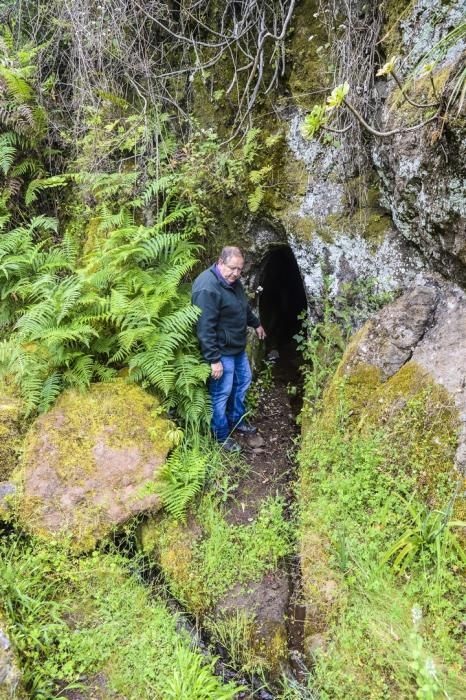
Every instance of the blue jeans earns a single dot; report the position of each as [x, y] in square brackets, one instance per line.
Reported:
[228, 394]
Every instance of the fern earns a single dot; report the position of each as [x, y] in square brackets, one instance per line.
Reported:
[73, 325]
[181, 479]
[255, 199]
[37, 186]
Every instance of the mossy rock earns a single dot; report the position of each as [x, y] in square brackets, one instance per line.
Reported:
[10, 431]
[11, 687]
[383, 444]
[89, 464]
[238, 592]
[257, 610]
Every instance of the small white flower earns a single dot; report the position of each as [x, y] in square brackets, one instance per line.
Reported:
[416, 614]
[430, 667]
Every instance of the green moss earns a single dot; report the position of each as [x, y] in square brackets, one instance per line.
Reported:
[310, 70]
[88, 621]
[79, 420]
[10, 431]
[302, 227]
[419, 90]
[421, 424]
[394, 12]
[117, 415]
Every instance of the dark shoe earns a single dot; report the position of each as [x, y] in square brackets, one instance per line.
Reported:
[246, 429]
[230, 445]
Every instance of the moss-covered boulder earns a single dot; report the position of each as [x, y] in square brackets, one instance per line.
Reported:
[89, 464]
[381, 497]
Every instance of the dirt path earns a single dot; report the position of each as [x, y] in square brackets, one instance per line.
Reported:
[270, 453]
[270, 456]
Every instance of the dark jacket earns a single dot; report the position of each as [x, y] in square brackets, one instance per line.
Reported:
[226, 314]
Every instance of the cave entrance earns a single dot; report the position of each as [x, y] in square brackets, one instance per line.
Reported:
[282, 300]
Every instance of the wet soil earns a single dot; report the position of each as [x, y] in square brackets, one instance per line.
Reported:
[270, 456]
[270, 452]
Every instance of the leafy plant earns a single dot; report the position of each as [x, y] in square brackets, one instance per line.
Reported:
[22, 120]
[194, 680]
[314, 121]
[69, 325]
[337, 96]
[427, 532]
[181, 479]
[257, 178]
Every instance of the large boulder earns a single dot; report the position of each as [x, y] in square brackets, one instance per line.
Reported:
[427, 328]
[383, 457]
[89, 464]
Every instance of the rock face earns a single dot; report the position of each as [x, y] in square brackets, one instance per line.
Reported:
[427, 326]
[423, 171]
[89, 463]
[10, 675]
[340, 229]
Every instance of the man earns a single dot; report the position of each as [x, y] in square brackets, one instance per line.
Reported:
[222, 331]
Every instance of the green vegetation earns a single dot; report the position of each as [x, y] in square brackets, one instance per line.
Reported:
[207, 557]
[181, 479]
[112, 196]
[377, 494]
[216, 567]
[70, 325]
[89, 621]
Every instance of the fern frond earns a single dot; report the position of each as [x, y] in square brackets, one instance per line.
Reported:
[7, 156]
[180, 480]
[17, 86]
[255, 199]
[49, 392]
[35, 187]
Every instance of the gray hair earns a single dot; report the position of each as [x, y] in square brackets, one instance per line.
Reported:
[230, 251]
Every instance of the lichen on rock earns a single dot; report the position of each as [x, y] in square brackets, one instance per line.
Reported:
[89, 464]
[422, 171]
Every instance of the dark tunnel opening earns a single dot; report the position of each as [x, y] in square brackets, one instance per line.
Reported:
[283, 298]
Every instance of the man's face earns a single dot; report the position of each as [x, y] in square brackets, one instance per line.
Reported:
[232, 269]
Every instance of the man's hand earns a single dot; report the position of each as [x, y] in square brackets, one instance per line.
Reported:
[260, 333]
[217, 369]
